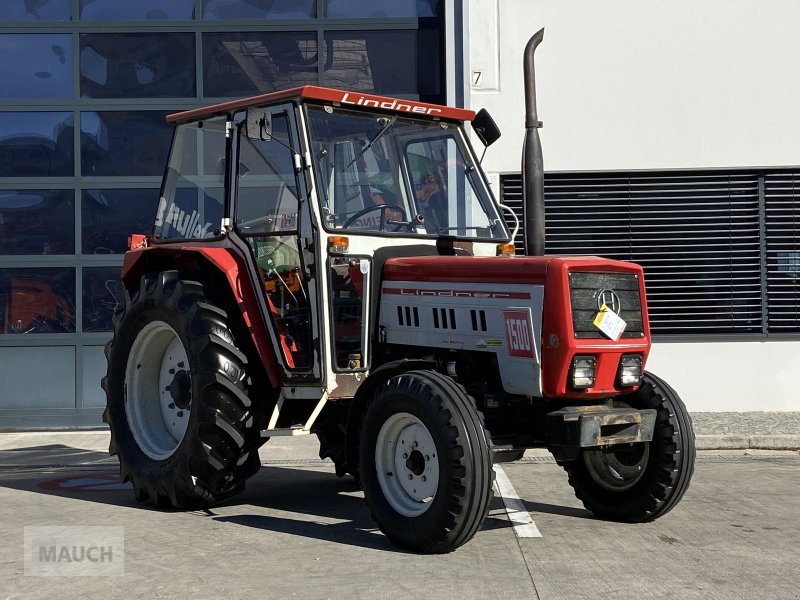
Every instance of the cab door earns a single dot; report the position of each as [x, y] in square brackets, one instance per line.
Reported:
[269, 200]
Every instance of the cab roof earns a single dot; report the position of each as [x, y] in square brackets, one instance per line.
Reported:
[332, 97]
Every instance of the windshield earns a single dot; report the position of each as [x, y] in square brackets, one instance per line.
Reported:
[385, 173]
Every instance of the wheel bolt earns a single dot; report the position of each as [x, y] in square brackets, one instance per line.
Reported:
[427, 458]
[410, 477]
[405, 456]
[424, 478]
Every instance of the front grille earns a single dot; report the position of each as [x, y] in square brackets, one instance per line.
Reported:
[584, 289]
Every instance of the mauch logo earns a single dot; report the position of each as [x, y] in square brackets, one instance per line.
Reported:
[90, 551]
[69, 554]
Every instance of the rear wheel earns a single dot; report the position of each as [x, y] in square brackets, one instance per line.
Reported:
[425, 462]
[181, 421]
[640, 482]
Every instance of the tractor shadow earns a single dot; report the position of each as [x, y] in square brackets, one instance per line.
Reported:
[301, 500]
[57, 455]
[324, 507]
[556, 509]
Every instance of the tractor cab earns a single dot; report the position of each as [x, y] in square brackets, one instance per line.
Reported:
[313, 186]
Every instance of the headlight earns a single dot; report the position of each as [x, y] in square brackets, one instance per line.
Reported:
[630, 370]
[583, 371]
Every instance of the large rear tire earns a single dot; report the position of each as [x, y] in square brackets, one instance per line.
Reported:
[182, 424]
[640, 482]
[425, 462]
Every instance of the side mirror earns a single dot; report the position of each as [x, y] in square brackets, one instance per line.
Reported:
[259, 124]
[485, 128]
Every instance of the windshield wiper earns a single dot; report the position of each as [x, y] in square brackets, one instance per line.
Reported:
[386, 124]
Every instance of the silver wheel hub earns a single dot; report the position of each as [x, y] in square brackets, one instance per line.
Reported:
[158, 390]
[618, 470]
[407, 464]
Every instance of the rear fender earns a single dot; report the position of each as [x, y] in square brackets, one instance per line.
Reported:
[226, 261]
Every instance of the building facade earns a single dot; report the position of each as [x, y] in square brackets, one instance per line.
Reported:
[671, 137]
[83, 141]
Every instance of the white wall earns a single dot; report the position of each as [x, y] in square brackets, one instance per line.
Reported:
[656, 84]
[731, 376]
[653, 84]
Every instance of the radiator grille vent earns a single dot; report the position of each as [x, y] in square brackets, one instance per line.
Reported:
[478, 320]
[444, 318]
[408, 316]
[584, 289]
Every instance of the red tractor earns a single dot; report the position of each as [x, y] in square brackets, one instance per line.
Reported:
[335, 263]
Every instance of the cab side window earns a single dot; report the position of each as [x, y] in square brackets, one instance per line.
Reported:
[193, 192]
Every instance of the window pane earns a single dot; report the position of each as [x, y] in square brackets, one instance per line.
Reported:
[348, 280]
[102, 290]
[42, 10]
[108, 217]
[445, 190]
[124, 143]
[37, 222]
[278, 259]
[140, 10]
[37, 300]
[267, 188]
[258, 9]
[36, 144]
[244, 64]
[193, 193]
[36, 66]
[394, 63]
[378, 9]
[137, 65]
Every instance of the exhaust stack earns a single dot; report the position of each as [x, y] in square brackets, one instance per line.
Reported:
[532, 164]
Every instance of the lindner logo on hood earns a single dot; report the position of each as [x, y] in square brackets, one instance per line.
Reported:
[400, 105]
[186, 224]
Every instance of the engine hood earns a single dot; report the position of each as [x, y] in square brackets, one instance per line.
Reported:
[495, 269]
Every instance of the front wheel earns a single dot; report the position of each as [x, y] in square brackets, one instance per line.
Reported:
[425, 462]
[640, 482]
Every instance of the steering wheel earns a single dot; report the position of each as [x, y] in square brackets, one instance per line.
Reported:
[382, 208]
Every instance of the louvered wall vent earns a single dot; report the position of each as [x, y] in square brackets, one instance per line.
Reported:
[782, 223]
[703, 238]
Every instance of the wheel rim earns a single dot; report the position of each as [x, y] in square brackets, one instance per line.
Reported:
[158, 392]
[407, 464]
[617, 470]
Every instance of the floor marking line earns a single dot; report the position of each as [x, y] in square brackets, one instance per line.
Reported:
[520, 518]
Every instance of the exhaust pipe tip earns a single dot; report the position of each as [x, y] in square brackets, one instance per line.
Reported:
[531, 119]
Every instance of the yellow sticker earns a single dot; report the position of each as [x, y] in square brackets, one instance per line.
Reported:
[610, 323]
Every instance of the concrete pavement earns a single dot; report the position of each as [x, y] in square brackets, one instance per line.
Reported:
[714, 431]
[298, 531]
